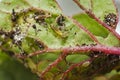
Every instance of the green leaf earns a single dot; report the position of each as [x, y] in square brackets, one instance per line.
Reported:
[11, 69]
[8, 5]
[49, 5]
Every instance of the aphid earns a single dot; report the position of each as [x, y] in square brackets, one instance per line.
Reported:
[59, 29]
[9, 52]
[84, 44]
[3, 34]
[60, 20]
[94, 44]
[111, 20]
[75, 33]
[40, 18]
[95, 54]
[34, 26]
[23, 54]
[14, 16]
[39, 30]
[40, 44]
[113, 59]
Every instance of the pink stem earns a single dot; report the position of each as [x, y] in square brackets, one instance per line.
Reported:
[43, 51]
[104, 49]
[54, 63]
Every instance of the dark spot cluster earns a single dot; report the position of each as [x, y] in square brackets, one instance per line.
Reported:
[103, 63]
[93, 44]
[95, 54]
[113, 59]
[111, 20]
[16, 36]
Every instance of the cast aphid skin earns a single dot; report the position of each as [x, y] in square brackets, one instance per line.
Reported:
[60, 20]
[86, 64]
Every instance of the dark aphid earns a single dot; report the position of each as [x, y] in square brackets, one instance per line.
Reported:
[34, 26]
[23, 54]
[39, 30]
[3, 33]
[84, 44]
[39, 17]
[10, 53]
[40, 13]
[95, 54]
[113, 57]
[111, 20]
[14, 16]
[75, 33]
[40, 44]
[94, 44]
[60, 20]
[11, 34]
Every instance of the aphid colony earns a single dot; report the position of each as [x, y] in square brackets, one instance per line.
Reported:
[17, 35]
[110, 61]
[111, 20]
[38, 17]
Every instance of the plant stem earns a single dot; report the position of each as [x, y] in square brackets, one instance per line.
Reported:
[78, 49]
